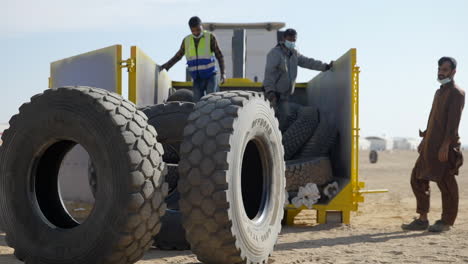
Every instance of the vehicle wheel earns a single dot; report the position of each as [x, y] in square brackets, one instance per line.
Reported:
[293, 114]
[232, 178]
[373, 156]
[181, 95]
[171, 153]
[320, 143]
[169, 120]
[127, 158]
[300, 131]
[172, 234]
[301, 172]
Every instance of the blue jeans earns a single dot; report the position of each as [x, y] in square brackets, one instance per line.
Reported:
[202, 87]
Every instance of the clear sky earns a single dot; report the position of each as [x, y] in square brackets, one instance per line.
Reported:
[398, 43]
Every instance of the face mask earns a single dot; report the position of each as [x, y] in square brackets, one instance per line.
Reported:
[444, 81]
[289, 44]
[199, 36]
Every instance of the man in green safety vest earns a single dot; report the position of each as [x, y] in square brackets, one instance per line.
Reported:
[200, 48]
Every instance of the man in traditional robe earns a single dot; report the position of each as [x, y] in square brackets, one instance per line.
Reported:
[440, 156]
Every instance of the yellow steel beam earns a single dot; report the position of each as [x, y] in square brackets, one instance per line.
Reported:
[373, 191]
[132, 71]
[234, 82]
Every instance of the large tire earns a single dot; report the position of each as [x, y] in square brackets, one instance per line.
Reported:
[300, 172]
[169, 120]
[171, 153]
[232, 171]
[172, 176]
[373, 156]
[300, 131]
[320, 143]
[181, 95]
[172, 235]
[127, 157]
[293, 114]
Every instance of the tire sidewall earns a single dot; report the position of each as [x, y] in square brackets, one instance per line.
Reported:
[28, 229]
[256, 122]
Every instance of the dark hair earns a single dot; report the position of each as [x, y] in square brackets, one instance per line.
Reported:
[290, 32]
[194, 22]
[452, 61]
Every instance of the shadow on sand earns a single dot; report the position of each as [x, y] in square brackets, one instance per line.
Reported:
[349, 240]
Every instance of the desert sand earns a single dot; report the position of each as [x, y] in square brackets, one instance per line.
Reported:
[374, 235]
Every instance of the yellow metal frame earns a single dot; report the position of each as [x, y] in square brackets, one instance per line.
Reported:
[235, 82]
[132, 75]
[349, 197]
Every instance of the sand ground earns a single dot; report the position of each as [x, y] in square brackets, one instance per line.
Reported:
[374, 235]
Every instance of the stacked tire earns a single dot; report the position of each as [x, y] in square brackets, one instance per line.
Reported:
[169, 119]
[308, 140]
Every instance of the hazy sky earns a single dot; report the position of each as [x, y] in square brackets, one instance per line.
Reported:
[398, 43]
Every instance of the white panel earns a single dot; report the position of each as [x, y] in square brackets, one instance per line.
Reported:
[224, 38]
[259, 43]
[145, 79]
[152, 86]
[97, 68]
[73, 176]
[164, 83]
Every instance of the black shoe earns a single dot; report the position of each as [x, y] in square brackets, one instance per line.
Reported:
[416, 225]
[439, 226]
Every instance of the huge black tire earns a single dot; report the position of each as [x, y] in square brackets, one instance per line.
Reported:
[321, 142]
[172, 176]
[127, 158]
[172, 234]
[181, 95]
[171, 153]
[293, 114]
[300, 131]
[300, 172]
[232, 178]
[169, 120]
[373, 156]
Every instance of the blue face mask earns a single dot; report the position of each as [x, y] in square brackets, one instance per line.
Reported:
[289, 44]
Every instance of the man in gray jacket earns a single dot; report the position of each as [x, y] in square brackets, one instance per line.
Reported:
[281, 73]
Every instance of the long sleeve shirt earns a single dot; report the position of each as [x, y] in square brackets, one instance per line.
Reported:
[181, 52]
[442, 128]
[281, 69]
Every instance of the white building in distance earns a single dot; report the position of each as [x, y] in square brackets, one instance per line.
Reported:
[401, 143]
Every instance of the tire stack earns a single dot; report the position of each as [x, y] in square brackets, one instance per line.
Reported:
[308, 141]
[170, 119]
